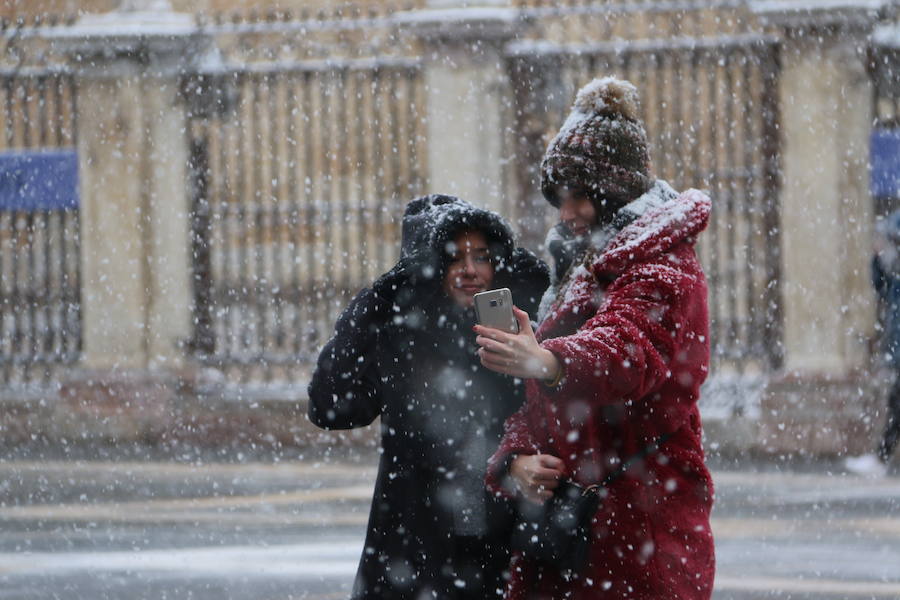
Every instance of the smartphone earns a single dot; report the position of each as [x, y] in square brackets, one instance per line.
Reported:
[493, 308]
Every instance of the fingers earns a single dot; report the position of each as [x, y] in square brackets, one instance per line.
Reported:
[552, 462]
[494, 346]
[493, 334]
[524, 321]
[495, 363]
[545, 471]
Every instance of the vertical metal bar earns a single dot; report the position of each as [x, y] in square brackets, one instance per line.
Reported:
[203, 344]
[245, 131]
[276, 127]
[397, 196]
[26, 277]
[30, 285]
[771, 152]
[46, 342]
[293, 193]
[7, 247]
[371, 193]
[378, 168]
[260, 281]
[731, 216]
[41, 91]
[748, 194]
[357, 167]
[343, 170]
[387, 163]
[414, 77]
[203, 126]
[678, 123]
[24, 87]
[311, 212]
[659, 121]
[62, 273]
[326, 117]
[224, 290]
[76, 228]
[5, 349]
[696, 138]
[16, 294]
[715, 274]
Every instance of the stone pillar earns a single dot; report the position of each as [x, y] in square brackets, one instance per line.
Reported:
[135, 253]
[826, 230]
[827, 217]
[466, 84]
[826, 208]
[133, 160]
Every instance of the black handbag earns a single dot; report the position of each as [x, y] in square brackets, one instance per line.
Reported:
[557, 534]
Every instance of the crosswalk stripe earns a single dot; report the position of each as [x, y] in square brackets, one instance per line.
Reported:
[793, 585]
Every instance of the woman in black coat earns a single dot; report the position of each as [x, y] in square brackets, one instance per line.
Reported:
[403, 350]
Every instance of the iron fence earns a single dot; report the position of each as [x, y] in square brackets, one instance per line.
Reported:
[40, 277]
[300, 174]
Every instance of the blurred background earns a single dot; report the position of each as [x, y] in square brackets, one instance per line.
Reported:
[190, 192]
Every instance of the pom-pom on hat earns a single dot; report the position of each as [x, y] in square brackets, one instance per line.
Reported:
[601, 149]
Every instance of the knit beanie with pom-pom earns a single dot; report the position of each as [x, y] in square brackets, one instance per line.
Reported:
[601, 149]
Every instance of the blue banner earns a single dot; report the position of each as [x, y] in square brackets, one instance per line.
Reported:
[885, 161]
[32, 180]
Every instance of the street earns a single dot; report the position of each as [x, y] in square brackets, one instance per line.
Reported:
[127, 529]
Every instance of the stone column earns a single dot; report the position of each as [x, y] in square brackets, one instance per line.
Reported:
[826, 229]
[133, 160]
[466, 84]
[135, 253]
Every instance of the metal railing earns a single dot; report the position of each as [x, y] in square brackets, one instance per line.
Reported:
[299, 181]
[40, 274]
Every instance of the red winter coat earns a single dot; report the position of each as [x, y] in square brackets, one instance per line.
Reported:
[633, 332]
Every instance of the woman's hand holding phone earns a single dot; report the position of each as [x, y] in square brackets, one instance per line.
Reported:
[516, 354]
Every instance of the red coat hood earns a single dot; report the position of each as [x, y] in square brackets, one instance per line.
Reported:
[654, 233]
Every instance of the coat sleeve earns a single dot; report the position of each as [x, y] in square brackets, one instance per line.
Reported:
[344, 391]
[518, 438]
[624, 351]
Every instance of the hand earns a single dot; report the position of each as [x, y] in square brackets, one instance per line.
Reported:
[516, 354]
[537, 475]
[403, 283]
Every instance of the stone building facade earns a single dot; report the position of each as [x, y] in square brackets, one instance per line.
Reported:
[226, 214]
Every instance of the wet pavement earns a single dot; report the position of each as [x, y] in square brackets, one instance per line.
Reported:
[293, 529]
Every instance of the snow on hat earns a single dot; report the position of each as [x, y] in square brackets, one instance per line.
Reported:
[601, 149]
[430, 222]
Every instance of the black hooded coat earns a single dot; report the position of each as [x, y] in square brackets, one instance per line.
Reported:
[403, 351]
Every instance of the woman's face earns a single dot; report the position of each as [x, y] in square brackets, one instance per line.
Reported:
[470, 270]
[576, 211]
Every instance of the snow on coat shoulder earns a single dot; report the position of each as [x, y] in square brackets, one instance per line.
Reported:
[656, 232]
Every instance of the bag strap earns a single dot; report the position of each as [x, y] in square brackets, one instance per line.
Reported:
[632, 460]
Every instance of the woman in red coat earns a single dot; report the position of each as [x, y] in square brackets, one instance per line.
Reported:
[616, 363]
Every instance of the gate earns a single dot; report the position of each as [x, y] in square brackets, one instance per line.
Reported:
[711, 113]
[40, 299]
[300, 174]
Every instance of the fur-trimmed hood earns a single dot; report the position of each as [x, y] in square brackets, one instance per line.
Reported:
[431, 222]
